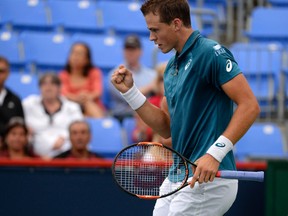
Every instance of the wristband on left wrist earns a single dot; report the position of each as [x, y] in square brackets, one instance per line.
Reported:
[220, 148]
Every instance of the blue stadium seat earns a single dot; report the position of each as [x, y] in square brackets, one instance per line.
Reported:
[123, 17]
[261, 63]
[10, 49]
[273, 17]
[45, 50]
[25, 14]
[128, 125]
[75, 15]
[278, 3]
[106, 94]
[284, 86]
[211, 17]
[262, 141]
[106, 50]
[106, 136]
[152, 55]
[22, 84]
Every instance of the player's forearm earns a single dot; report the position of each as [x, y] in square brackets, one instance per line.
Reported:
[156, 118]
[243, 117]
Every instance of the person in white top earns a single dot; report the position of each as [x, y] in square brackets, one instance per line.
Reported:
[48, 117]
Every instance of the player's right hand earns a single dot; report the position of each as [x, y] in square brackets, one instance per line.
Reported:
[122, 79]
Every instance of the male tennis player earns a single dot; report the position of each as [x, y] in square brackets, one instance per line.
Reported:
[201, 83]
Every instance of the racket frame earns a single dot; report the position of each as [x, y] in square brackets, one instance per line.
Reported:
[240, 175]
[150, 197]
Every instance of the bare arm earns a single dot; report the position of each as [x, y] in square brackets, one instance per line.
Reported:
[245, 114]
[247, 107]
[158, 119]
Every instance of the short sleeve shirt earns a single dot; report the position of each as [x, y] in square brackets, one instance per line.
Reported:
[199, 109]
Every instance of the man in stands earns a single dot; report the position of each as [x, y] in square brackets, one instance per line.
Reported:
[10, 103]
[80, 136]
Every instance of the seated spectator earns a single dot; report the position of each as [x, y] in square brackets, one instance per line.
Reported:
[143, 77]
[82, 82]
[80, 136]
[15, 140]
[48, 117]
[10, 103]
[142, 132]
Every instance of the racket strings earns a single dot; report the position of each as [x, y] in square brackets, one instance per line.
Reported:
[142, 169]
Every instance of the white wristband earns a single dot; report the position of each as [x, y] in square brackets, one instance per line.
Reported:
[220, 148]
[134, 97]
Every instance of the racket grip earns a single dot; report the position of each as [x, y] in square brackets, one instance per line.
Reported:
[241, 175]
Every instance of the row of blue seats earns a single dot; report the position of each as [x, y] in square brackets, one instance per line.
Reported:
[122, 17]
[263, 58]
[262, 141]
[273, 17]
[262, 64]
[80, 15]
[278, 3]
[49, 50]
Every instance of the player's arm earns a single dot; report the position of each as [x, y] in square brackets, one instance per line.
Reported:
[247, 107]
[156, 118]
[245, 114]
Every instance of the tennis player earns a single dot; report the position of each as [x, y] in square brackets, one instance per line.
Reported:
[201, 83]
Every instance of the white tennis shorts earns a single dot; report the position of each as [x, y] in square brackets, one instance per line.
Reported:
[206, 199]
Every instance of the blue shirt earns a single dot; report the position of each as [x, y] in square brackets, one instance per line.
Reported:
[199, 109]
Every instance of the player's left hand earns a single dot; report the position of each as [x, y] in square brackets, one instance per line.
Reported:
[207, 167]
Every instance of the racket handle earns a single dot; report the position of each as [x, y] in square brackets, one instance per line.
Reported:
[241, 175]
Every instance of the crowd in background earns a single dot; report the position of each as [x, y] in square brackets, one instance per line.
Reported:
[52, 124]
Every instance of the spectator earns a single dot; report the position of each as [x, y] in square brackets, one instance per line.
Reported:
[15, 140]
[80, 136]
[10, 103]
[48, 116]
[143, 77]
[82, 82]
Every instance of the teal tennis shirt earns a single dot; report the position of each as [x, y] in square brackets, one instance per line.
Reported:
[199, 109]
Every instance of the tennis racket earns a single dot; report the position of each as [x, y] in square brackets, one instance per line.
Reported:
[141, 168]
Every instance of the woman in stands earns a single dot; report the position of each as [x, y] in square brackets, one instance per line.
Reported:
[15, 141]
[82, 82]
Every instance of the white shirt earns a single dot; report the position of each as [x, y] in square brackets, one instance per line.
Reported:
[46, 128]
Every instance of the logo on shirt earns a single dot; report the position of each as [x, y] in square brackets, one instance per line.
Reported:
[218, 49]
[11, 105]
[229, 65]
[188, 63]
[220, 145]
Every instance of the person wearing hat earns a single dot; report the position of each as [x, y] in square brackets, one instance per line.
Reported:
[143, 76]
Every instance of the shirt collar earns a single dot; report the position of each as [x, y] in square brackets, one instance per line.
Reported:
[3, 94]
[190, 42]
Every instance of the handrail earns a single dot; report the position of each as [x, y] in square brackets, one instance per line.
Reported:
[91, 163]
[99, 163]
